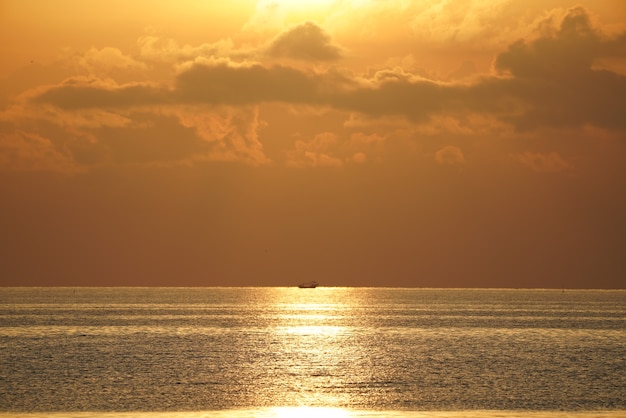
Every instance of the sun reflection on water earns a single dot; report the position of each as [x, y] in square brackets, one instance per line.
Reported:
[314, 330]
[309, 412]
[309, 353]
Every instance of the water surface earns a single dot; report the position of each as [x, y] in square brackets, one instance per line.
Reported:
[344, 352]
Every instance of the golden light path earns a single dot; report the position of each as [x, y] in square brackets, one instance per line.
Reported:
[309, 412]
[310, 332]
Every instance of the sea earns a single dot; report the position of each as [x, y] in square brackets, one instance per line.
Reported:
[327, 352]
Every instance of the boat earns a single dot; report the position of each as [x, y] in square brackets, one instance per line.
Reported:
[308, 285]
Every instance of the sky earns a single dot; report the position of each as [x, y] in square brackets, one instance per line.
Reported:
[425, 143]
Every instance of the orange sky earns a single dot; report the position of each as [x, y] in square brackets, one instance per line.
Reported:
[426, 143]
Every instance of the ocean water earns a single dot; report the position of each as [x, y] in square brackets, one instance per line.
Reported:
[330, 352]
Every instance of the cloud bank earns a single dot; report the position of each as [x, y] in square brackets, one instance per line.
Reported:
[211, 99]
[549, 81]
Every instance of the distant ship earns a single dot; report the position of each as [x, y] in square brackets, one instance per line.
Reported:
[308, 285]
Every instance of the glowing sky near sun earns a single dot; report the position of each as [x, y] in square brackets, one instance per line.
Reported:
[356, 142]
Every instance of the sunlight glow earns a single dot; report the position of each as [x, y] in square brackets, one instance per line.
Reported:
[295, 11]
[303, 4]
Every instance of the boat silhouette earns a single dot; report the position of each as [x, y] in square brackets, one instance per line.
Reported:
[308, 285]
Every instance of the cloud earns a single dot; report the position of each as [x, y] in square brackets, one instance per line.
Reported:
[306, 41]
[85, 93]
[569, 51]
[465, 71]
[154, 48]
[222, 82]
[108, 59]
[473, 25]
[449, 20]
[386, 93]
[231, 132]
[449, 155]
[315, 153]
[363, 138]
[550, 162]
[553, 77]
[98, 122]
[359, 158]
[191, 133]
[28, 151]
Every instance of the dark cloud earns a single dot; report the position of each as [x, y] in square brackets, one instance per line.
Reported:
[227, 84]
[567, 53]
[84, 94]
[405, 95]
[413, 99]
[554, 78]
[306, 41]
[614, 48]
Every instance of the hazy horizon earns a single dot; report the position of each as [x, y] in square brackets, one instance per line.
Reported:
[551, 289]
